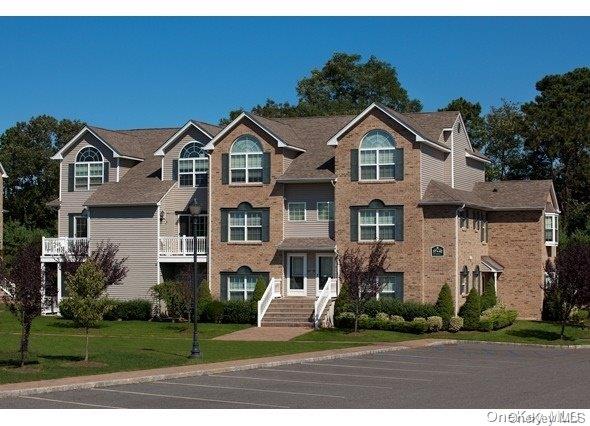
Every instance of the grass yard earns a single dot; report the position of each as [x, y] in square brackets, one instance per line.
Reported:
[57, 348]
[519, 332]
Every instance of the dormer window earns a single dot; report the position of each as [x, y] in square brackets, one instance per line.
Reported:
[551, 229]
[245, 160]
[377, 156]
[193, 166]
[88, 169]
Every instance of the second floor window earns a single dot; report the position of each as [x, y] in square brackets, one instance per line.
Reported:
[325, 211]
[80, 226]
[484, 228]
[245, 226]
[88, 169]
[551, 229]
[297, 212]
[245, 160]
[377, 156]
[377, 224]
[193, 166]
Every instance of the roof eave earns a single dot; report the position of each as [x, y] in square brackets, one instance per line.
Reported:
[160, 151]
[59, 154]
[480, 206]
[477, 158]
[306, 180]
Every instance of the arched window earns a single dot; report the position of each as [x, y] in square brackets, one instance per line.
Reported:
[476, 279]
[377, 156]
[245, 162]
[464, 280]
[193, 166]
[88, 169]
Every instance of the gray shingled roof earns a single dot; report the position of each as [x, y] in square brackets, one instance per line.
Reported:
[500, 195]
[307, 243]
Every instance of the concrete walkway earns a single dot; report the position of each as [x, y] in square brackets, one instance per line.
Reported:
[265, 334]
[142, 376]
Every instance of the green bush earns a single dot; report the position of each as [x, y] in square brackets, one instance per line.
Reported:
[550, 310]
[397, 318]
[342, 303]
[344, 320]
[434, 323]
[382, 321]
[409, 310]
[471, 310]
[66, 309]
[366, 322]
[486, 324]
[213, 312]
[488, 297]
[203, 297]
[418, 325]
[259, 290]
[136, 309]
[578, 317]
[444, 305]
[239, 312]
[176, 295]
[499, 316]
[455, 324]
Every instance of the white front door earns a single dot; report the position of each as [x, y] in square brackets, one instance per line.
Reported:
[324, 266]
[297, 274]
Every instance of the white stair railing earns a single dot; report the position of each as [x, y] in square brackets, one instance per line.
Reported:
[322, 301]
[272, 291]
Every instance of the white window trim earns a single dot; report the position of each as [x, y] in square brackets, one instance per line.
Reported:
[87, 176]
[192, 173]
[304, 211]
[377, 225]
[187, 214]
[554, 229]
[330, 210]
[244, 282]
[76, 218]
[247, 168]
[466, 277]
[377, 164]
[245, 227]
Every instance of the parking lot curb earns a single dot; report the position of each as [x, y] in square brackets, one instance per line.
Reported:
[538, 345]
[145, 376]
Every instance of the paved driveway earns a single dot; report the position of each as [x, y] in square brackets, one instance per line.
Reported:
[450, 376]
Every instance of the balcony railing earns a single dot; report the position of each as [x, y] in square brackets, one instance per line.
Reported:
[64, 245]
[181, 246]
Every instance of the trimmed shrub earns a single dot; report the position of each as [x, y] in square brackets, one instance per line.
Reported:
[397, 318]
[213, 312]
[434, 323]
[550, 310]
[344, 320]
[382, 316]
[455, 324]
[342, 303]
[499, 316]
[488, 297]
[578, 317]
[486, 324]
[259, 290]
[66, 309]
[239, 312]
[128, 310]
[445, 305]
[203, 297]
[382, 323]
[366, 322]
[471, 310]
[418, 325]
[176, 295]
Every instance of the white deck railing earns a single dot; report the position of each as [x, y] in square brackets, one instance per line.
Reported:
[273, 290]
[181, 246]
[63, 245]
[322, 301]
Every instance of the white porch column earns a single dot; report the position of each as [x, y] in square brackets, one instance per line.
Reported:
[43, 310]
[59, 284]
[496, 282]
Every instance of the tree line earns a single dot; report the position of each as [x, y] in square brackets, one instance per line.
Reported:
[545, 138]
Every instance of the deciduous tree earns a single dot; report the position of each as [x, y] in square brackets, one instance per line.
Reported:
[474, 122]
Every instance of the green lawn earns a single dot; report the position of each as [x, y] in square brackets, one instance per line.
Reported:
[519, 332]
[57, 347]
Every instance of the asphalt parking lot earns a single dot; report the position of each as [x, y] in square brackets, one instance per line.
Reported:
[448, 376]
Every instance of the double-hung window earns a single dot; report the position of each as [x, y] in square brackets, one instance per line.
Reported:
[80, 226]
[245, 160]
[484, 228]
[325, 211]
[193, 166]
[88, 169]
[551, 229]
[241, 287]
[245, 226]
[377, 156]
[376, 224]
[297, 212]
[463, 220]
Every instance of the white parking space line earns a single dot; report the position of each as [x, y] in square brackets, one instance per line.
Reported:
[421, 363]
[410, 379]
[315, 395]
[69, 402]
[470, 360]
[305, 382]
[161, 395]
[383, 368]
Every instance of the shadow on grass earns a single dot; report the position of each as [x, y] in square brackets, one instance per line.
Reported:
[62, 357]
[174, 354]
[531, 333]
[16, 363]
[176, 327]
[69, 324]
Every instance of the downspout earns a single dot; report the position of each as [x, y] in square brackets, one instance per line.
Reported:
[209, 228]
[457, 258]
[333, 182]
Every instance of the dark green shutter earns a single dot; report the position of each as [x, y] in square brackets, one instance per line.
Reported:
[224, 169]
[399, 163]
[223, 225]
[354, 165]
[399, 284]
[266, 225]
[354, 218]
[266, 167]
[223, 286]
[71, 224]
[106, 171]
[70, 177]
[399, 223]
[174, 169]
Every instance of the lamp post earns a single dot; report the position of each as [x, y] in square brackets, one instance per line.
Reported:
[195, 209]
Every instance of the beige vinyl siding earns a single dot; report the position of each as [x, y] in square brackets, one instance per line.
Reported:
[311, 194]
[467, 171]
[176, 201]
[173, 150]
[73, 201]
[135, 230]
[432, 166]
[124, 166]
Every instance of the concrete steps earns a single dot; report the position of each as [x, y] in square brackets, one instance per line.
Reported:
[289, 312]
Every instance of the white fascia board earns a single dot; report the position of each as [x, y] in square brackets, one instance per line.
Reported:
[190, 123]
[475, 157]
[59, 154]
[2, 171]
[211, 145]
[419, 138]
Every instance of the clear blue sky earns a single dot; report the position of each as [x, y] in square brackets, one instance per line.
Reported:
[150, 72]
